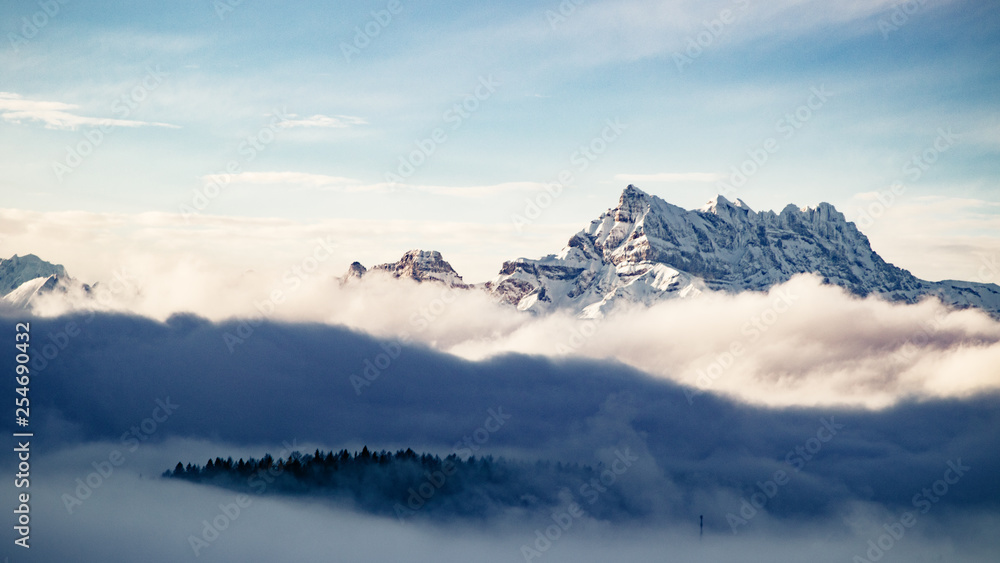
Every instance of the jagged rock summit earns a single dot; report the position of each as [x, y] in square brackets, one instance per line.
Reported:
[354, 272]
[419, 265]
[646, 250]
[638, 253]
[17, 270]
[24, 278]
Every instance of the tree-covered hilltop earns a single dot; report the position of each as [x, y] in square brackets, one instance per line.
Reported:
[405, 483]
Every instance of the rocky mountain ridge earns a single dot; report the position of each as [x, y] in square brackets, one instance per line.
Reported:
[418, 265]
[646, 250]
[642, 251]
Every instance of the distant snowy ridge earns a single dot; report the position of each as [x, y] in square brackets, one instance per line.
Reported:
[24, 278]
[418, 265]
[17, 270]
[646, 250]
[643, 251]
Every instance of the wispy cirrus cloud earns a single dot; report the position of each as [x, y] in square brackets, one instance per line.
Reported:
[14, 108]
[320, 121]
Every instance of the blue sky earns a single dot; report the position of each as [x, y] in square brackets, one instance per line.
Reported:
[193, 85]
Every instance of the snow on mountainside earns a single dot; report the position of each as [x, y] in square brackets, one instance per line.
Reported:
[419, 265]
[640, 252]
[354, 271]
[17, 270]
[24, 278]
[27, 291]
[645, 250]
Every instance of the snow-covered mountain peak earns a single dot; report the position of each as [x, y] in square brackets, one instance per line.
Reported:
[419, 265]
[26, 294]
[730, 210]
[423, 258]
[632, 204]
[828, 212]
[647, 249]
[17, 270]
[354, 272]
[715, 203]
[632, 192]
[29, 290]
[791, 210]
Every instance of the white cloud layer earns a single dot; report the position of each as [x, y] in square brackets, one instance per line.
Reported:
[57, 115]
[804, 343]
[322, 121]
[306, 180]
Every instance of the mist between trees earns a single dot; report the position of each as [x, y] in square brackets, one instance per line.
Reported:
[401, 483]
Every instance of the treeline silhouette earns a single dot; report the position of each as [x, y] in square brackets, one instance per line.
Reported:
[405, 483]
